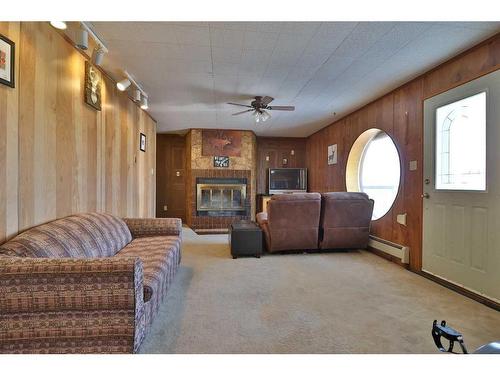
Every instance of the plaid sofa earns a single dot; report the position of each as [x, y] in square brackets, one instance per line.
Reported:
[87, 283]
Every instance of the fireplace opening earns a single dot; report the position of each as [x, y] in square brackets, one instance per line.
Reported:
[221, 196]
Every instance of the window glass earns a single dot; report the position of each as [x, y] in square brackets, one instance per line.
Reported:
[379, 173]
[461, 144]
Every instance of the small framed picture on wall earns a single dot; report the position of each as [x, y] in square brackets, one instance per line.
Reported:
[221, 161]
[332, 154]
[7, 61]
[142, 142]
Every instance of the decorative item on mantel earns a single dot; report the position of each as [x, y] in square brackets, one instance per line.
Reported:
[92, 86]
[332, 154]
[221, 161]
[7, 61]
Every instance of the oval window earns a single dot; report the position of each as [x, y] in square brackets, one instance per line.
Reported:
[373, 167]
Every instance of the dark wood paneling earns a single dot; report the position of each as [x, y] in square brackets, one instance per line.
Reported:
[171, 175]
[277, 149]
[400, 114]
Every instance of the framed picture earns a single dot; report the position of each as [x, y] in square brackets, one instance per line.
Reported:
[332, 154]
[92, 86]
[7, 61]
[221, 142]
[221, 161]
[142, 142]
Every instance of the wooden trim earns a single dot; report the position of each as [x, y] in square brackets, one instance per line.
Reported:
[389, 257]
[467, 293]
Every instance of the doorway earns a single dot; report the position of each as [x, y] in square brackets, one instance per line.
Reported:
[461, 200]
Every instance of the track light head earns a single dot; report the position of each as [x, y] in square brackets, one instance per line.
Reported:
[98, 55]
[82, 39]
[61, 25]
[137, 95]
[144, 102]
[123, 84]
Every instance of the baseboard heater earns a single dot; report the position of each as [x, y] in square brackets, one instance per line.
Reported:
[391, 248]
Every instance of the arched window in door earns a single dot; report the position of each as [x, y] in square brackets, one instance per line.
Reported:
[461, 144]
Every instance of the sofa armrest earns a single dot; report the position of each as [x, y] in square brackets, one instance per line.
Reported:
[154, 227]
[261, 218]
[61, 305]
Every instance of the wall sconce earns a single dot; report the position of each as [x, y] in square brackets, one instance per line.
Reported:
[267, 157]
[292, 152]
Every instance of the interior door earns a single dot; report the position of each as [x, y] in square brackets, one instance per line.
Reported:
[461, 221]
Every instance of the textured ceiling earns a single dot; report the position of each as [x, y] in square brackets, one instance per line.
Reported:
[191, 69]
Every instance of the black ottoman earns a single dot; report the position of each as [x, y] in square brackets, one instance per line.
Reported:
[245, 238]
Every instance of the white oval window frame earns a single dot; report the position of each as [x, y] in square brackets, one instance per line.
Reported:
[355, 158]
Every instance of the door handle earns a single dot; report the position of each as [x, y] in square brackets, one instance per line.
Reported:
[425, 195]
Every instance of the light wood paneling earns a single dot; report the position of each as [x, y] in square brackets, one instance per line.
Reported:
[72, 158]
[9, 111]
[399, 113]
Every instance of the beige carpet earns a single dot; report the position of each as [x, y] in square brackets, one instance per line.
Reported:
[351, 302]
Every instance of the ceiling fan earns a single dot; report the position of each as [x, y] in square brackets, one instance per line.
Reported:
[260, 107]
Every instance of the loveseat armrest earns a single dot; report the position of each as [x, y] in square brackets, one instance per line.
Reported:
[65, 305]
[261, 218]
[154, 227]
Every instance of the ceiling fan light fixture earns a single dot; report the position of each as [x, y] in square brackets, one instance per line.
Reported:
[265, 116]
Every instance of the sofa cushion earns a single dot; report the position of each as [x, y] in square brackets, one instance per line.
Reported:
[91, 235]
[160, 256]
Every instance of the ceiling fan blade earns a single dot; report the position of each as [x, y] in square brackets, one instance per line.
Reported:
[266, 100]
[241, 105]
[239, 113]
[282, 108]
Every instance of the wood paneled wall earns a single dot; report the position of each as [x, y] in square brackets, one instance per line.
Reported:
[9, 112]
[400, 114]
[277, 149]
[61, 155]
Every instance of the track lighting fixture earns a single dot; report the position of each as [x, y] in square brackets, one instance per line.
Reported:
[61, 25]
[98, 55]
[123, 84]
[137, 95]
[82, 39]
[144, 102]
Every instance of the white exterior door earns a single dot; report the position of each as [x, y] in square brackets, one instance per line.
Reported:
[461, 222]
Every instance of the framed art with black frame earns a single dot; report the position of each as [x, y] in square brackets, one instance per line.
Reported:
[7, 61]
[142, 142]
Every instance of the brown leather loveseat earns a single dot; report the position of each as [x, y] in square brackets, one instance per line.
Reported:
[310, 221]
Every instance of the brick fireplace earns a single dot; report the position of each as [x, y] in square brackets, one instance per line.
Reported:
[216, 220]
[200, 170]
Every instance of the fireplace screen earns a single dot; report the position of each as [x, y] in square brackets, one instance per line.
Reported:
[220, 197]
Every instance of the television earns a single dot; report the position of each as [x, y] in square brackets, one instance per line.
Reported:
[287, 180]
